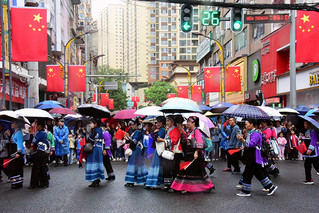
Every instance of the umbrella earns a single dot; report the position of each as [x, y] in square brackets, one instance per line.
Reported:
[149, 111]
[94, 110]
[246, 111]
[179, 100]
[270, 111]
[288, 111]
[210, 114]
[47, 103]
[48, 107]
[62, 111]
[302, 109]
[33, 114]
[149, 119]
[71, 122]
[221, 107]
[313, 122]
[316, 112]
[180, 106]
[9, 115]
[126, 114]
[204, 123]
[204, 107]
[310, 113]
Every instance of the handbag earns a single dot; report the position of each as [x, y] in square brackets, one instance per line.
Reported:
[160, 147]
[88, 148]
[128, 152]
[196, 145]
[168, 155]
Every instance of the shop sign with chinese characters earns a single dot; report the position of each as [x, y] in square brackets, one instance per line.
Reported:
[19, 91]
[268, 77]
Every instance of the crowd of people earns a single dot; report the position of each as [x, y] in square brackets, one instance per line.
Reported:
[181, 155]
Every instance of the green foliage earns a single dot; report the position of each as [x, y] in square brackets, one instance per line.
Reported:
[157, 93]
[119, 96]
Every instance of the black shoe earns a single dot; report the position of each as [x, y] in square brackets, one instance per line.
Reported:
[129, 184]
[209, 190]
[31, 187]
[147, 187]
[165, 188]
[95, 183]
[110, 178]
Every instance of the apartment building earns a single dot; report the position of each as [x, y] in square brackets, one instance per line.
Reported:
[167, 42]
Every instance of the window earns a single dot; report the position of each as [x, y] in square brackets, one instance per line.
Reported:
[153, 47]
[173, 42]
[164, 65]
[194, 50]
[153, 33]
[195, 27]
[195, 42]
[191, 68]
[241, 40]
[164, 11]
[153, 40]
[216, 58]
[152, 26]
[164, 50]
[164, 35]
[182, 50]
[153, 11]
[182, 42]
[173, 50]
[152, 19]
[182, 35]
[228, 49]
[173, 57]
[195, 11]
[153, 61]
[182, 57]
[163, 27]
[153, 4]
[163, 42]
[173, 35]
[174, 19]
[174, 27]
[227, 23]
[258, 31]
[164, 58]
[163, 19]
[153, 55]
[173, 11]
[164, 73]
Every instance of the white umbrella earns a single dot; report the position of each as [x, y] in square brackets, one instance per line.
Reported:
[270, 111]
[33, 114]
[288, 111]
[149, 111]
[177, 99]
[9, 115]
[204, 123]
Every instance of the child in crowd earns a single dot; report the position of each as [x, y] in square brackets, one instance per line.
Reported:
[78, 146]
[293, 144]
[72, 147]
[282, 144]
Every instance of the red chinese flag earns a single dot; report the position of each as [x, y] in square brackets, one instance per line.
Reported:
[171, 95]
[82, 142]
[307, 26]
[232, 80]
[197, 93]
[111, 104]
[137, 99]
[104, 99]
[29, 34]
[55, 80]
[233, 151]
[77, 79]
[133, 98]
[212, 79]
[183, 91]
[119, 134]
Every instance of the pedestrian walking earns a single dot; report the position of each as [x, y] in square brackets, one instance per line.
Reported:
[107, 154]
[4, 146]
[94, 169]
[254, 162]
[71, 148]
[136, 170]
[62, 150]
[193, 178]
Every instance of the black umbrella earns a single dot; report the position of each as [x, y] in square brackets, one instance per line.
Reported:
[94, 110]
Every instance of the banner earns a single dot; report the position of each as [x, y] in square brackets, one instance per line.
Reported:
[183, 91]
[212, 79]
[55, 80]
[77, 81]
[197, 94]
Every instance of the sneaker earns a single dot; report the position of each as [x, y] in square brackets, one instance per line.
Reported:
[239, 186]
[227, 170]
[242, 194]
[272, 190]
[265, 190]
[308, 182]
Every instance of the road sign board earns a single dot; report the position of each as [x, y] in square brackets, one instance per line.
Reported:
[266, 18]
[110, 85]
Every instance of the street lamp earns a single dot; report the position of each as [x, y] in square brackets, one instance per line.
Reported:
[189, 79]
[222, 66]
[66, 63]
[92, 58]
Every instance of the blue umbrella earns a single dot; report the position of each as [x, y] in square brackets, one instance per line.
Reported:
[204, 107]
[310, 113]
[47, 102]
[302, 109]
[313, 122]
[221, 107]
[179, 107]
[49, 106]
[316, 112]
[246, 111]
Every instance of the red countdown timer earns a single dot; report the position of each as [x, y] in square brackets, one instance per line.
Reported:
[266, 18]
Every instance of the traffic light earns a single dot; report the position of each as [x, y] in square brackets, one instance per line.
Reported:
[187, 18]
[236, 20]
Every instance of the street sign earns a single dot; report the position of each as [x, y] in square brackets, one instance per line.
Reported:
[110, 85]
[266, 18]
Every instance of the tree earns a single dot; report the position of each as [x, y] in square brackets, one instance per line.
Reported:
[119, 96]
[157, 93]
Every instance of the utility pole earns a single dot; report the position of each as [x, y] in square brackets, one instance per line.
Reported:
[293, 95]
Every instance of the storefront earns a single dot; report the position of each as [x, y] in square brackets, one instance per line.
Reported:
[274, 63]
[19, 93]
[307, 86]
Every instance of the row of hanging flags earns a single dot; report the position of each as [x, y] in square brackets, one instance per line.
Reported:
[104, 100]
[30, 43]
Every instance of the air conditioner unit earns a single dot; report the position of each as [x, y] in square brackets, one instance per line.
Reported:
[31, 3]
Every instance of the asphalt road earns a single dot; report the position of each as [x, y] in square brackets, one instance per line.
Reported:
[68, 192]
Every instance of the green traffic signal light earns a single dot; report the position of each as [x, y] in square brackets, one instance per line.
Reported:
[236, 20]
[186, 18]
[238, 25]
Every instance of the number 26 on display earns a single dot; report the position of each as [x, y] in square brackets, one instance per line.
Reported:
[210, 18]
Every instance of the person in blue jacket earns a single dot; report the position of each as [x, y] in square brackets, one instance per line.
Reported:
[136, 170]
[16, 177]
[61, 133]
[224, 130]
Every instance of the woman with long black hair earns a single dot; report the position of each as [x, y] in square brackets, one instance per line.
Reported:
[193, 178]
[136, 170]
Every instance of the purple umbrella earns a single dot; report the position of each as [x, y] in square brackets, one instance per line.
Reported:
[126, 114]
[246, 111]
[201, 117]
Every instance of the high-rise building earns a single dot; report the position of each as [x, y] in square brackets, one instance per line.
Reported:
[111, 37]
[167, 42]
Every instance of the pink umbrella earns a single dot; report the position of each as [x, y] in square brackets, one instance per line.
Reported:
[126, 114]
[62, 111]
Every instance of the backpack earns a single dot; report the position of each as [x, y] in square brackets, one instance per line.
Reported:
[274, 148]
[208, 143]
[265, 147]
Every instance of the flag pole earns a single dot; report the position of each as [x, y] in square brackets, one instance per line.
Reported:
[3, 57]
[293, 95]
[10, 53]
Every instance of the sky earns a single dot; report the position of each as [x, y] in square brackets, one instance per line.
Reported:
[99, 5]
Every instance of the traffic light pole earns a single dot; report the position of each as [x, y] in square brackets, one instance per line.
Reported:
[293, 93]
